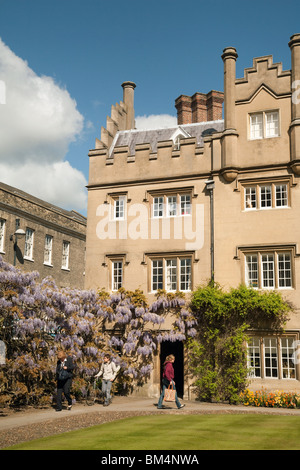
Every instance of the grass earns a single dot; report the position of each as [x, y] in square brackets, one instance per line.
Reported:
[185, 432]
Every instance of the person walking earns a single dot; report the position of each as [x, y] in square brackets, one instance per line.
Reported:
[109, 371]
[64, 375]
[168, 378]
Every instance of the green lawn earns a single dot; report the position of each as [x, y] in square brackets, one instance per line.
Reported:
[185, 432]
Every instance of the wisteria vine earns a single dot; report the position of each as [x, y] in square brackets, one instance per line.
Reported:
[37, 318]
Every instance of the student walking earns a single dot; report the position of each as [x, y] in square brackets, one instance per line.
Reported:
[168, 378]
[64, 375]
[109, 372]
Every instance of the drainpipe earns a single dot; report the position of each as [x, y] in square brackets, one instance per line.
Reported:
[210, 185]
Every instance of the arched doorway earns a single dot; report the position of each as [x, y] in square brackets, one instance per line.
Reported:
[175, 348]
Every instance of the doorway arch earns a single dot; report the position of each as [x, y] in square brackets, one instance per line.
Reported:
[175, 348]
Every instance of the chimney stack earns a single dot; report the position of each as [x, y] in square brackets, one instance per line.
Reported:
[294, 45]
[200, 107]
[128, 100]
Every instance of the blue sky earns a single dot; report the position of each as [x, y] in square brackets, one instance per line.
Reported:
[63, 62]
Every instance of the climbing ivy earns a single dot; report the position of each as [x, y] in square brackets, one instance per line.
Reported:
[217, 355]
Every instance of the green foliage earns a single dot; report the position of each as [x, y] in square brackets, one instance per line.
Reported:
[217, 355]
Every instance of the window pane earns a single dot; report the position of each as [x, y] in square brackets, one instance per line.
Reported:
[117, 275]
[271, 366]
[256, 126]
[119, 208]
[185, 274]
[253, 357]
[2, 229]
[185, 203]
[28, 251]
[251, 271]
[158, 206]
[48, 250]
[65, 255]
[265, 196]
[284, 270]
[287, 359]
[267, 270]
[172, 206]
[272, 124]
[157, 275]
[171, 274]
[250, 198]
[281, 195]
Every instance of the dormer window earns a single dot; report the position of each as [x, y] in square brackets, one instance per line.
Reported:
[180, 133]
[177, 142]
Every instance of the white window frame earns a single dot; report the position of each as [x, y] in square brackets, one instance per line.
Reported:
[266, 196]
[264, 125]
[2, 234]
[256, 126]
[185, 204]
[269, 270]
[250, 198]
[172, 274]
[281, 195]
[48, 250]
[271, 124]
[29, 241]
[119, 208]
[117, 275]
[270, 357]
[65, 261]
[157, 274]
[172, 205]
[158, 207]
[287, 354]
[254, 357]
[175, 204]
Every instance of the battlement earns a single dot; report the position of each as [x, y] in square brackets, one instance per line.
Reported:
[138, 155]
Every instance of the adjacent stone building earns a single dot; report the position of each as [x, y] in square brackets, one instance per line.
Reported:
[214, 197]
[38, 236]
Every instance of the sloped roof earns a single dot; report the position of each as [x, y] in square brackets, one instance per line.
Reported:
[133, 137]
[35, 200]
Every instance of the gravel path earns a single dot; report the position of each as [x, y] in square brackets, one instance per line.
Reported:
[30, 424]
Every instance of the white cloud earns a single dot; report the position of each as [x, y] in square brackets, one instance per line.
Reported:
[155, 121]
[38, 122]
[60, 183]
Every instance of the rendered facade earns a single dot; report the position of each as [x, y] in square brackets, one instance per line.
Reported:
[216, 196]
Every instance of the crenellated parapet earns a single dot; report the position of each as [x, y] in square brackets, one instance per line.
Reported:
[158, 154]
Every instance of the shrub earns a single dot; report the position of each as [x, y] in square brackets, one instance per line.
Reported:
[217, 355]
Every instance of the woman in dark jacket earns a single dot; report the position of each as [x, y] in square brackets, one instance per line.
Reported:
[168, 377]
[64, 375]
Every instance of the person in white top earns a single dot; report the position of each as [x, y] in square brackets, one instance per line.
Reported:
[109, 372]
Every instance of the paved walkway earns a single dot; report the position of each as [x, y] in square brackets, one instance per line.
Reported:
[131, 404]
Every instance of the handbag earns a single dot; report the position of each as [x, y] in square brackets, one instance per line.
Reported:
[170, 393]
[63, 374]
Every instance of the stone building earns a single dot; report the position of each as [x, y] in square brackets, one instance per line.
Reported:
[214, 197]
[38, 236]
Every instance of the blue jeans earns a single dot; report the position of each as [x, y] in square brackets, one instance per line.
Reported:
[166, 383]
[106, 387]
